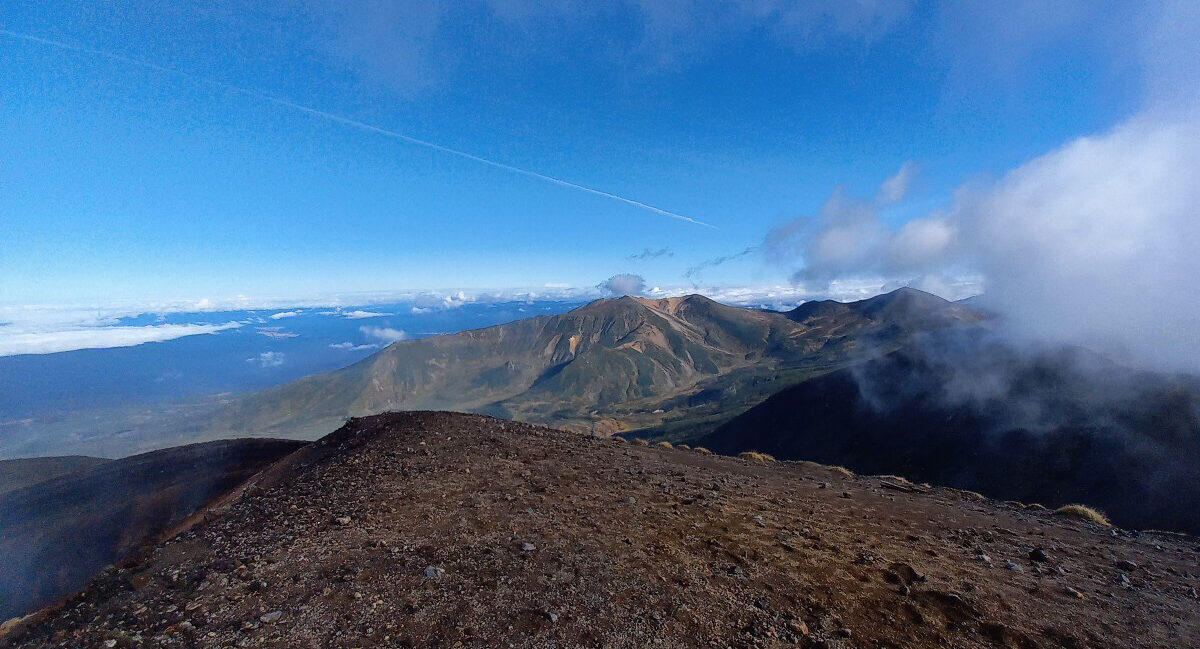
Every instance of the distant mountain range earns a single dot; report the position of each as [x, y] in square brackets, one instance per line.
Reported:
[608, 366]
[904, 382]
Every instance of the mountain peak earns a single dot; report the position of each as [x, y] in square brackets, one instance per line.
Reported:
[904, 306]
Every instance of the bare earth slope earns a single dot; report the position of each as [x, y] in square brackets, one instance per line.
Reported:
[56, 534]
[447, 530]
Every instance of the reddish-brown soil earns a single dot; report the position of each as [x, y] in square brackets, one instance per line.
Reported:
[539, 538]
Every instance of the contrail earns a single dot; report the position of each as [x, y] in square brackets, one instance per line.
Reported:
[348, 122]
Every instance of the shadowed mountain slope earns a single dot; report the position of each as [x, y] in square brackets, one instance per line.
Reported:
[55, 534]
[15, 474]
[447, 530]
[1048, 426]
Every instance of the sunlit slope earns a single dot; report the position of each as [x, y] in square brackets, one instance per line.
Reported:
[612, 362]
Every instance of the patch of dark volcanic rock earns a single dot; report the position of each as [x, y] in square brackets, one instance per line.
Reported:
[447, 530]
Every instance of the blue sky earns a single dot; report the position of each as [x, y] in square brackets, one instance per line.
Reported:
[119, 181]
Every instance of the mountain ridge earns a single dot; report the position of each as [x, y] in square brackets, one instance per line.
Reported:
[610, 361]
[442, 529]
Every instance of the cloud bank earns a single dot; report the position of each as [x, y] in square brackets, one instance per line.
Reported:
[359, 314]
[48, 342]
[1091, 243]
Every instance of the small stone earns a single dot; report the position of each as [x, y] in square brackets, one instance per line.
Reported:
[110, 643]
[1012, 566]
[1077, 594]
[846, 494]
[983, 558]
[528, 547]
[1123, 581]
[630, 500]
[798, 627]
[736, 571]
[905, 590]
[758, 520]
[1191, 592]
[342, 520]
[270, 618]
[1126, 565]
[1038, 555]
[552, 616]
[433, 572]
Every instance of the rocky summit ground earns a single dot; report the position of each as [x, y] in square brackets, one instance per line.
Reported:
[444, 530]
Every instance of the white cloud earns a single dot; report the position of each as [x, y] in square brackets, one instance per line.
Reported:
[456, 300]
[896, 187]
[623, 284]
[418, 310]
[268, 359]
[15, 341]
[386, 334]
[360, 314]
[349, 346]
[284, 314]
[1096, 242]
[276, 333]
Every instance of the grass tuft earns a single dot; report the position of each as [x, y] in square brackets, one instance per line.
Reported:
[664, 444]
[756, 456]
[1084, 513]
[842, 471]
[702, 451]
[683, 447]
[9, 625]
[640, 442]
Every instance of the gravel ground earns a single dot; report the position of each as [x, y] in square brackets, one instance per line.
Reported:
[447, 530]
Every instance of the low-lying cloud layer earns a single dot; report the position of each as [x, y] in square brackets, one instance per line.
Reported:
[98, 337]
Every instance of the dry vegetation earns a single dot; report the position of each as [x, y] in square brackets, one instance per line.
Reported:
[1083, 512]
[664, 444]
[756, 456]
[702, 451]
